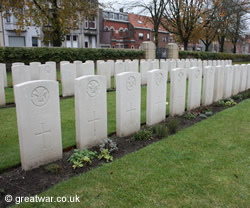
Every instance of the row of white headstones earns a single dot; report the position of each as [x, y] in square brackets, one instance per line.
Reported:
[69, 71]
[38, 109]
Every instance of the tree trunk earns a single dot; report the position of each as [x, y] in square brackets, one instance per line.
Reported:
[185, 42]
[234, 47]
[156, 39]
[207, 47]
[222, 41]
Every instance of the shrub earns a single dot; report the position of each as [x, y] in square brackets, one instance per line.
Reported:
[143, 135]
[160, 130]
[81, 157]
[237, 97]
[173, 125]
[230, 102]
[9, 55]
[108, 144]
[53, 168]
[213, 56]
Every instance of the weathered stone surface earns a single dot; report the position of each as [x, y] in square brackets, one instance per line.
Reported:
[236, 79]
[228, 81]
[78, 65]
[156, 96]
[144, 71]
[119, 68]
[90, 110]
[194, 88]
[3, 67]
[86, 68]
[218, 83]
[128, 103]
[39, 123]
[20, 74]
[104, 69]
[243, 80]
[47, 72]
[68, 75]
[208, 85]
[2, 92]
[112, 66]
[34, 70]
[177, 92]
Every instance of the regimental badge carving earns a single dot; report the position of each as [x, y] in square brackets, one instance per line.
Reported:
[131, 83]
[159, 78]
[180, 76]
[197, 74]
[47, 69]
[93, 88]
[40, 96]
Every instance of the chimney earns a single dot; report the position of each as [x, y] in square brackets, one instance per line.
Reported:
[121, 10]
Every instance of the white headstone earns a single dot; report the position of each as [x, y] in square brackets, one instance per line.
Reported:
[3, 67]
[34, 70]
[194, 88]
[132, 66]
[78, 68]
[112, 66]
[218, 83]
[90, 110]
[208, 85]
[210, 63]
[236, 79]
[68, 75]
[53, 65]
[2, 92]
[17, 64]
[177, 92]
[39, 123]
[228, 81]
[155, 64]
[119, 68]
[104, 69]
[20, 74]
[164, 65]
[144, 71]
[156, 96]
[63, 62]
[243, 81]
[86, 68]
[248, 76]
[128, 103]
[172, 66]
[214, 63]
[47, 72]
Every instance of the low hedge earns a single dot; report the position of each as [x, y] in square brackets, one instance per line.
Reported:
[213, 56]
[10, 55]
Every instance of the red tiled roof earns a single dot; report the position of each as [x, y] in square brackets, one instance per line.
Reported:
[139, 21]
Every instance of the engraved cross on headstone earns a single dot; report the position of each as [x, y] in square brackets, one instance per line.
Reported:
[94, 120]
[43, 133]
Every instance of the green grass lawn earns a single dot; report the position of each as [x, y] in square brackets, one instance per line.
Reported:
[206, 165]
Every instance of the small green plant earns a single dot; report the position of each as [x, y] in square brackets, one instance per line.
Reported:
[230, 102]
[173, 125]
[237, 97]
[160, 130]
[105, 154]
[108, 144]
[81, 157]
[189, 116]
[143, 135]
[245, 95]
[221, 103]
[53, 168]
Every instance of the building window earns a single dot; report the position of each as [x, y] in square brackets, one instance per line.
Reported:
[86, 44]
[141, 36]
[164, 39]
[116, 16]
[34, 42]
[68, 37]
[148, 36]
[111, 15]
[121, 32]
[74, 37]
[92, 24]
[125, 17]
[132, 47]
[105, 15]
[86, 23]
[113, 46]
[16, 41]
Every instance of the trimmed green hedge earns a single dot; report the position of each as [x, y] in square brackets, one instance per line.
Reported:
[213, 56]
[10, 55]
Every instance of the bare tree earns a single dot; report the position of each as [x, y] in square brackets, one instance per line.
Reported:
[238, 22]
[156, 10]
[183, 18]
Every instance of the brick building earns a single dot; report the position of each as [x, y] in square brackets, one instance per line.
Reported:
[124, 30]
